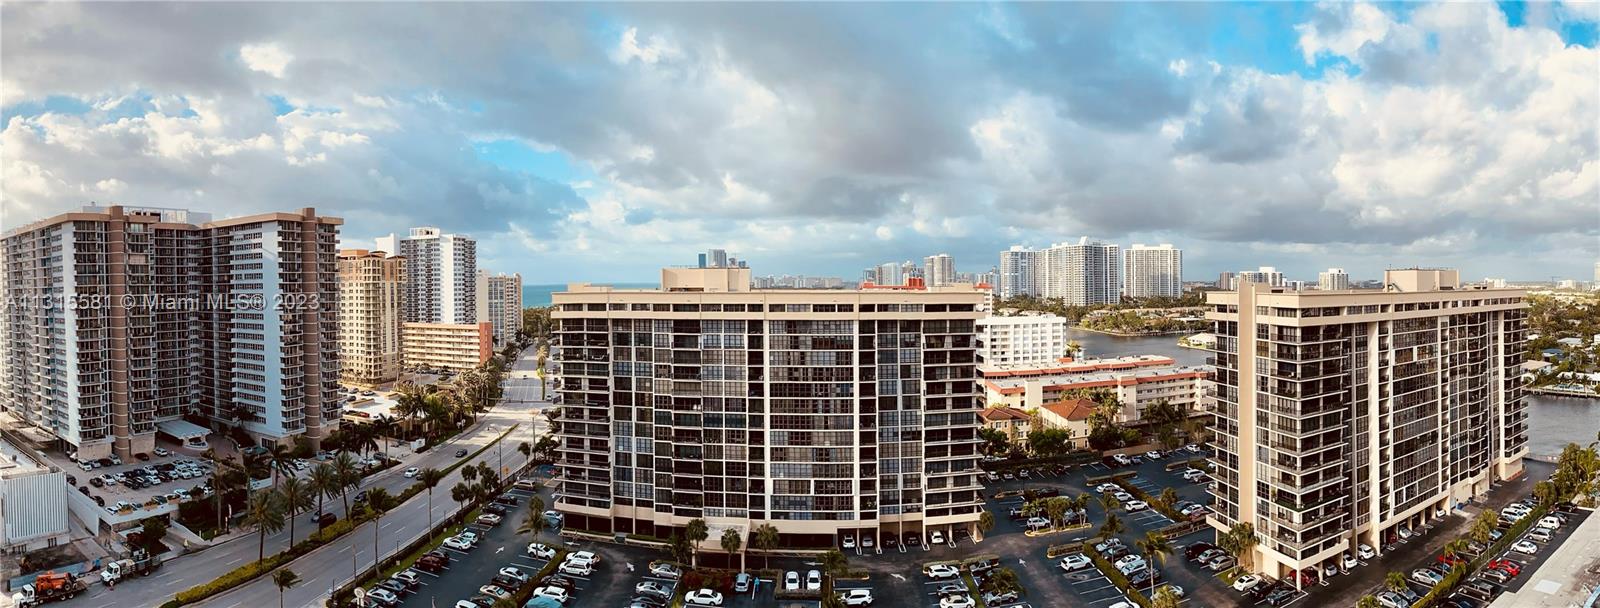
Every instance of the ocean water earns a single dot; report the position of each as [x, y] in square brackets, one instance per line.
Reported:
[539, 295]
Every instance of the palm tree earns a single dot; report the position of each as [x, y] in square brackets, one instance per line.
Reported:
[469, 473]
[1056, 508]
[1483, 525]
[1165, 598]
[384, 427]
[985, 522]
[324, 482]
[1455, 547]
[1367, 601]
[1112, 527]
[695, 532]
[765, 538]
[1168, 498]
[297, 495]
[732, 542]
[526, 449]
[1394, 581]
[265, 511]
[284, 579]
[462, 492]
[364, 439]
[223, 482]
[281, 459]
[430, 477]
[1245, 541]
[1002, 580]
[1155, 547]
[834, 562]
[533, 524]
[348, 474]
[379, 501]
[1110, 502]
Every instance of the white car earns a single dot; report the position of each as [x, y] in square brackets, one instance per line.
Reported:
[585, 556]
[515, 574]
[1153, 455]
[1122, 605]
[489, 519]
[413, 472]
[553, 592]
[1121, 459]
[1525, 546]
[1123, 496]
[1366, 552]
[1129, 564]
[652, 588]
[465, 604]
[383, 596]
[1246, 582]
[866, 541]
[1549, 523]
[494, 591]
[1037, 523]
[665, 570]
[1076, 561]
[1136, 505]
[848, 542]
[1350, 562]
[813, 580]
[703, 597]
[1192, 448]
[941, 571]
[541, 550]
[458, 543]
[856, 597]
[935, 538]
[1426, 577]
[1107, 487]
[576, 569]
[791, 581]
[957, 601]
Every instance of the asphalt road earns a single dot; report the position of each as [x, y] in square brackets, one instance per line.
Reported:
[332, 565]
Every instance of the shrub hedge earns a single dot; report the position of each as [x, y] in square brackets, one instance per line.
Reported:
[1459, 572]
[1115, 575]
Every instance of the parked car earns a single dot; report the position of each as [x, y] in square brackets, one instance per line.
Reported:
[458, 543]
[936, 537]
[515, 574]
[1193, 550]
[703, 597]
[1246, 582]
[856, 597]
[937, 571]
[1525, 546]
[541, 550]
[652, 588]
[742, 582]
[1076, 561]
[1220, 563]
[1510, 567]
[1366, 552]
[489, 519]
[1426, 577]
[666, 570]
[791, 581]
[813, 580]
[957, 601]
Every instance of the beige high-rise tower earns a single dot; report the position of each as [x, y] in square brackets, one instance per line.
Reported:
[1343, 416]
[121, 322]
[370, 287]
[816, 411]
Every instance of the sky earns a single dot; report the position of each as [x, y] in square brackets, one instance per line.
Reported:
[599, 142]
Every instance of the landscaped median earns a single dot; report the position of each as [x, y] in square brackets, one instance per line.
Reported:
[251, 571]
[1160, 506]
[1115, 575]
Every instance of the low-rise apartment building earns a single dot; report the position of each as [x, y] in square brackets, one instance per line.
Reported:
[450, 346]
[1136, 389]
[1022, 340]
[1015, 423]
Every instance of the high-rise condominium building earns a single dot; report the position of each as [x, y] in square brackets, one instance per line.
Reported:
[1225, 281]
[939, 270]
[441, 275]
[370, 283]
[1018, 268]
[1343, 416]
[1153, 271]
[1082, 273]
[890, 273]
[120, 322]
[819, 412]
[500, 304]
[1334, 279]
[1264, 274]
[1022, 340]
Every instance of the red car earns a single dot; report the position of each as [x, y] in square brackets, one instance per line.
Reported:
[1507, 566]
[1451, 559]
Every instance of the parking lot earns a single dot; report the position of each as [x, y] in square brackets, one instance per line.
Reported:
[163, 478]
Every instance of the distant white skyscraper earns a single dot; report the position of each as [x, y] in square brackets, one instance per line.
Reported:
[1018, 268]
[891, 273]
[1083, 273]
[441, 275]
[500, 303]
[1153, 271]
[939, 270]
[717, 258]
[1265, 274]
[1332, 280]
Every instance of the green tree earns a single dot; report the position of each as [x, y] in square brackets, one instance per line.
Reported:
[1165, 598]
[264, 510]
[985, 522]
[995, 441]
[681, 549]
[1002, 580]
[1111, 527]
[151, 531]
[384, 427]
[1168, 498]
[281, 459]
[1483, 525]
[834, 562]
[348, 473]
[1367, 601]
[1394, 581]
[733, 542]
[766, 538]
[297, 496]
[1045, 443]
[379, 502]
[284, 578]
[430, 477]
[1155, 548]
[1244, 541]
[462, 492]
[696, 532]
